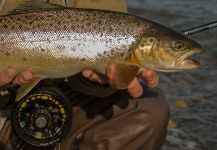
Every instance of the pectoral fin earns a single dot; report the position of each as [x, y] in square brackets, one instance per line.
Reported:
[124, 74]
[26, 88]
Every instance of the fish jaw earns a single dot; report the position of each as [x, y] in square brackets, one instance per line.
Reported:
[184, 62]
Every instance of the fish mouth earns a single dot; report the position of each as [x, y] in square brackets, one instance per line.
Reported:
[190, 60]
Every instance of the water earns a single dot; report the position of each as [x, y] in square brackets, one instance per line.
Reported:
[197, 126]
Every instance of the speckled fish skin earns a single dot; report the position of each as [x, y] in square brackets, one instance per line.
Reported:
[61, 42]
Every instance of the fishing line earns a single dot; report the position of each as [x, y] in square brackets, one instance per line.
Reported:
[200, 28]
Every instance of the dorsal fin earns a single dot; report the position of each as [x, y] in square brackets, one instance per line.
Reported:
[24, 6]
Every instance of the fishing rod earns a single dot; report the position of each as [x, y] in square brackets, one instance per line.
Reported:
[200, 28]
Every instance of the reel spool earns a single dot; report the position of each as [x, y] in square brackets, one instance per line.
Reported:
[43, 118]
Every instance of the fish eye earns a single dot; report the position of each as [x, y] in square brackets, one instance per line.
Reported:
[178, 45]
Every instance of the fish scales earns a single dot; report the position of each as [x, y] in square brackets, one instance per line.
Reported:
[62, 42]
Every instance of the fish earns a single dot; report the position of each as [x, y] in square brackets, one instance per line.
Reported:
[61, 42]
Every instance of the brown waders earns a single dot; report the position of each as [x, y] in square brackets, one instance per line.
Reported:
[114, 122]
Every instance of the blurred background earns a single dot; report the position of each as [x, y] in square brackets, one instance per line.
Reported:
[192, 95]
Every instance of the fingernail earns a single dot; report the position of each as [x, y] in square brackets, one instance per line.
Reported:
[87, 73]
[149, 76]
[26, 76]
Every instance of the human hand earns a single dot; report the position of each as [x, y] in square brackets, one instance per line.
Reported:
[135, 89]
[10, 75]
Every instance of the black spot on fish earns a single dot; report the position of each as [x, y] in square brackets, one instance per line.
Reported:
[12, 27]
[83, 59]
[112, 51]
[7, 54]
[138, 24]
[122, 54]
[42, 50]
[99, 55]
[33, 32]
[65, 27]
[73, 49]
[152, 31]
[110, 29]
[104, 52]
[19, 19]
[31, 22]
[24, 59]
[48, 40]
[5, 26]
[68, 37]
[88, 23]
[49, 15]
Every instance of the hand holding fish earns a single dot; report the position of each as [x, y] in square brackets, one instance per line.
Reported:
[135, 89]
[10, 75]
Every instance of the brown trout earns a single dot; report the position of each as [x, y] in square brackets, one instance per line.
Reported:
[58, 43]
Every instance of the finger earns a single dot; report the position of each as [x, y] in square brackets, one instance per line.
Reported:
[150, 77]
[110, 72]
[95, 77]
[23, 78]
[87, 73]
[153, 83]
[135, 89]
[92, 76]
[7, 75]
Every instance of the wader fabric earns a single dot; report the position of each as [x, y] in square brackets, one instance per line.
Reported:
[115, 122]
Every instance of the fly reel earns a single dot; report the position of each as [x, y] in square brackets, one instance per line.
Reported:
[43, 118]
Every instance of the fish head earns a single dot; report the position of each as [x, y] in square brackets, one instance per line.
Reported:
[163, 49]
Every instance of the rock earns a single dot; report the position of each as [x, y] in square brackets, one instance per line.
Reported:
[172, 123]
[182, 103]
